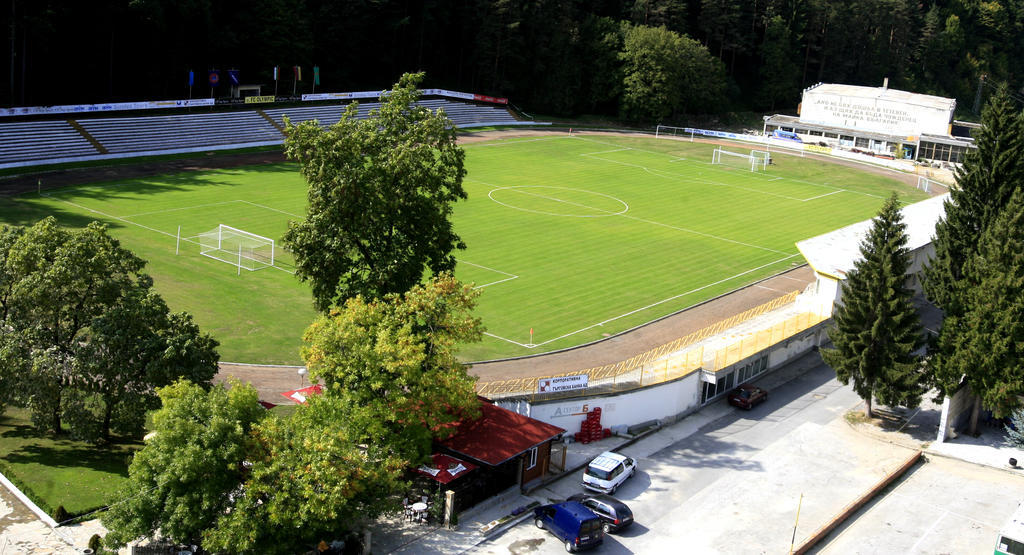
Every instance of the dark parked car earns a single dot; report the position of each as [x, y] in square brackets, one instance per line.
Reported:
[746, 396]
[613, 513]
[577, 526]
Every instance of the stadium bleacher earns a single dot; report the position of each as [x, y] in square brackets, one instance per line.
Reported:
[40, 142]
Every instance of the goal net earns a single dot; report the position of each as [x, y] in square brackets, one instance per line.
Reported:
[740, 160]
[239, 248]
[930, 185]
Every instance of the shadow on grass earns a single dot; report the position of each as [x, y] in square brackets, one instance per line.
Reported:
[113, 460]
[28, 208]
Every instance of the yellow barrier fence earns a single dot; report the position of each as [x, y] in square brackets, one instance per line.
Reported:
[655, 366]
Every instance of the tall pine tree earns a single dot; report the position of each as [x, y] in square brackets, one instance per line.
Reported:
[985, 182]
[877, 328]
[988, 350]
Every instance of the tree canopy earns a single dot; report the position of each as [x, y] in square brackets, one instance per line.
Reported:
[987, 350]
[392, 363]
[877, 329]
[381, 192]
[182, 480]
[85, 333]
[549, 57]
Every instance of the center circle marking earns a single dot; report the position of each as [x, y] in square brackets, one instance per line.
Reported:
[625, 207]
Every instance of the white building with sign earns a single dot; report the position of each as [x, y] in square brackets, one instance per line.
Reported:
[875, 120]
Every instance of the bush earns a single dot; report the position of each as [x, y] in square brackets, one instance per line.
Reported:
[60, 515]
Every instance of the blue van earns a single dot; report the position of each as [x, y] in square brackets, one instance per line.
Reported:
[572, 523]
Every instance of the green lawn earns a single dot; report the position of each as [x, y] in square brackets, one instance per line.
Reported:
[55, 472]
[574, 237]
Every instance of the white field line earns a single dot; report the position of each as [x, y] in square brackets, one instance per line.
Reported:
[624, 215]
[509, 278]
[826, 194]
[271, 209]
[604, 151]
[136, 224]
[756, 175]
[569, 202]
[672, 298]
[526, 345]
[178, 209]
[511, 142]
[693, 179]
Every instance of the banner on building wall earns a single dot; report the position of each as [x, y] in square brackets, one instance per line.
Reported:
[562, 383]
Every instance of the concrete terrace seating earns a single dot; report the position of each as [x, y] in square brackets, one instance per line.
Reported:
[41, 140]
[28, 143]
[462, 114]
[179, 132]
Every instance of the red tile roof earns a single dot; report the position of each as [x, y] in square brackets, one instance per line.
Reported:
[499, 435]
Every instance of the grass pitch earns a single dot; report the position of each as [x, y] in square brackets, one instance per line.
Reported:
[570, 238]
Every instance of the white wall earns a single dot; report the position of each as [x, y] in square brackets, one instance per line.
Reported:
[881, 115]
[651, 403]
[663, 402]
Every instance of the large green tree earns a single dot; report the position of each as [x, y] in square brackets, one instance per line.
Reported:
[61, 280]
[132, 348]
[877, 329]
[392, 363]
[310, 481]
[988, 349]
[381, 192]
[985, 181]
[665, 73]
[183, 479]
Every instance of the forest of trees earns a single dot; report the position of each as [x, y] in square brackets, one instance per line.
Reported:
[556, 57]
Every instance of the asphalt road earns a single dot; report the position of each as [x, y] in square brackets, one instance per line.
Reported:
[734, 486]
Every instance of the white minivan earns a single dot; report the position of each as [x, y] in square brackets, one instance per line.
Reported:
[607, 472]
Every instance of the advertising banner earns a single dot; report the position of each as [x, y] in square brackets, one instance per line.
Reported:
[562, 383]
[111, 107]
[259, 99]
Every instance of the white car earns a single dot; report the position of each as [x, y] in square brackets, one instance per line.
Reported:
[607, 472]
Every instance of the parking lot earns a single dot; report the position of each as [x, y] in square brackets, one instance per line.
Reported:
[734, 485]
[941, 506]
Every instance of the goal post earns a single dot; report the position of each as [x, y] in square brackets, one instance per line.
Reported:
[237, 247]
[753, 162]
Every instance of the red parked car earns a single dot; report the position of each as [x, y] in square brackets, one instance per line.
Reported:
[746, 396]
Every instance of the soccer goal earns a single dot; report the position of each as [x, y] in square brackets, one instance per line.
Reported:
[750, 161]
[239, 248]
[929, 185]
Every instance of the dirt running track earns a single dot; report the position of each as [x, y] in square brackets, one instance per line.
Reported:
[270, 381]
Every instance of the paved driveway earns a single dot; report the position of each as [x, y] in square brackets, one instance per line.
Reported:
[941, 506]
[734, 486]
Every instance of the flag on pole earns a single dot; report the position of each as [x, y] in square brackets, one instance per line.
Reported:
[297, 70]
[275, 73]
[214, 77]
[191, 78]
[316, 75]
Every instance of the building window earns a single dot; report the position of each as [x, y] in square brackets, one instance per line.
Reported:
[862, 142]
[531, 458]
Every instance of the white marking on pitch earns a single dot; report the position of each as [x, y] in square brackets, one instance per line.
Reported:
[271, 209]
[121, 219]
[509, 278]
[526, 345]
[518, 189]
[652, 305]
[179, 209]
[753, 175]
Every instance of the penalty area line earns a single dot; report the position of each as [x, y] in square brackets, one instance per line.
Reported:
[663, 301]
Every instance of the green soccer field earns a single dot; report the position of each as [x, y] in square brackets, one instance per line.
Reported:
[575, 238]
